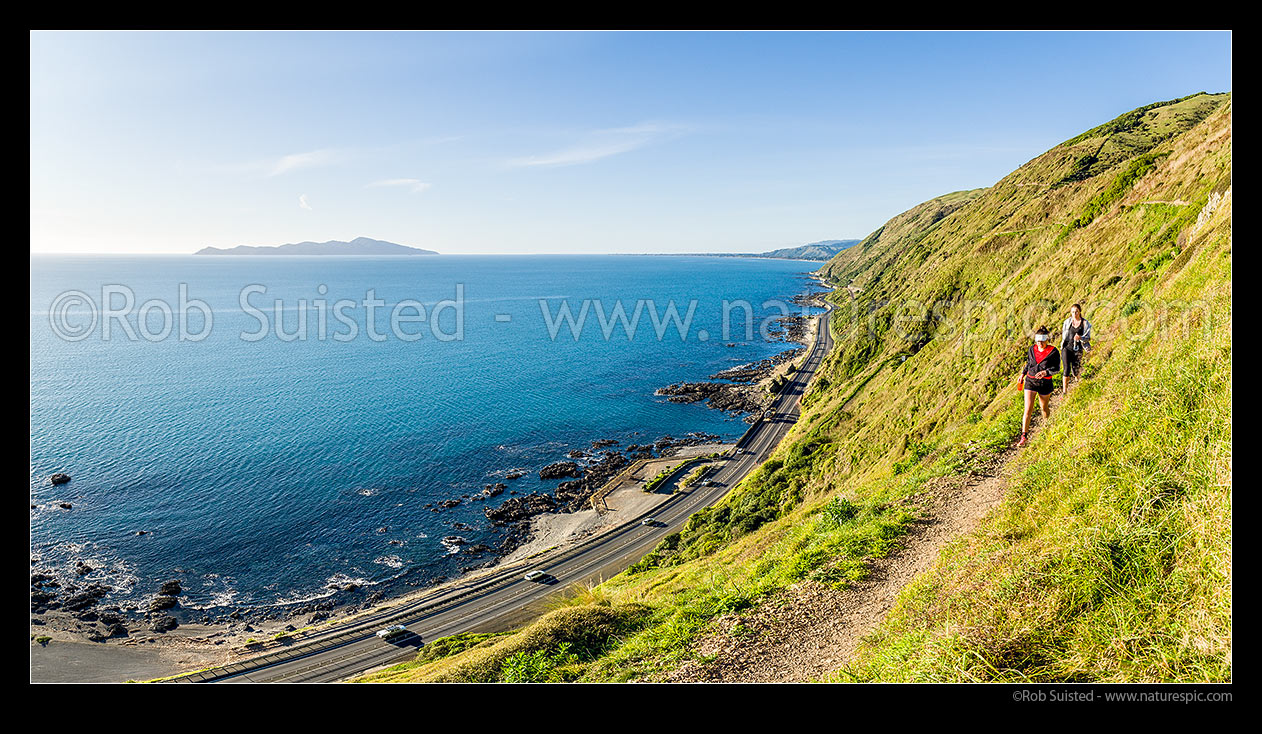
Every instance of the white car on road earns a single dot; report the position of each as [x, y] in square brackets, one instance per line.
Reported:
[392, 631]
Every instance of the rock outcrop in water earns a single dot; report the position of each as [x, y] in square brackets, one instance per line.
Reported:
[574, 494]
[737, 390]
[560, 470]
[723, 396]
[513, 516]
[520, 508]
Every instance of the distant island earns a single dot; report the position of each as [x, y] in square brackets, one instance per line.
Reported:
[358, 247]
[822, 251]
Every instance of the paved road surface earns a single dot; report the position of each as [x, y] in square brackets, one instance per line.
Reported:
[504, 599]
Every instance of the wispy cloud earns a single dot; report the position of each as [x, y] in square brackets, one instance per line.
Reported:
[296, 161]
[415, 185]
[302, 202]
[600, 144]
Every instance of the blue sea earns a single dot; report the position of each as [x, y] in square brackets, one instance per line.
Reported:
[225, 424]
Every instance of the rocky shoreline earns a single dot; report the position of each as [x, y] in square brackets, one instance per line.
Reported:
[73, 605]
[737, 390]
[62, 605]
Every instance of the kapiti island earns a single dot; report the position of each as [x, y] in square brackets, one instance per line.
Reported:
[358, 247]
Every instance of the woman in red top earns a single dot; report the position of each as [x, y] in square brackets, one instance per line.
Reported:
[1042, 361]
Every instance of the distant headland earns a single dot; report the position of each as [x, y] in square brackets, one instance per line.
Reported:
[822, 250]
[358, 247]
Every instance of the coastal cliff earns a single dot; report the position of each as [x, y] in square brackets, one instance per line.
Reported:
[1102, 551]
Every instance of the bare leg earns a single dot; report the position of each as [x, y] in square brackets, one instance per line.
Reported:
[1029, 408]
[1045, 405]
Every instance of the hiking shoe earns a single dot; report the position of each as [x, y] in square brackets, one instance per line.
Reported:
[1023, 440]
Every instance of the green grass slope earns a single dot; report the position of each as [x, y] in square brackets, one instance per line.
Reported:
[1109, 559]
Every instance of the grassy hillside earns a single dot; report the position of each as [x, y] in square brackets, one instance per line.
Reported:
[823, 250]
[1109, 559]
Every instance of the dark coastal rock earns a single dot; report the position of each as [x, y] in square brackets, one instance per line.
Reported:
[40, 601]
[752, 372]
[43, 580]
[171, 588]
[116, 630]
[736, 390]
[448, 504]
[517, 534]
[85, 599]
[692, 438]
[59, 478]
[560, 470]
[494, 490]
[574, 494]
[520, 508]
[516, 474]
[64, 505]
[164, 623]
[604, 443]
[728, 397]
[160, 603]
[789, 329]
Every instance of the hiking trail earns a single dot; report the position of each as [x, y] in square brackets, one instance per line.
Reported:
[810, 630]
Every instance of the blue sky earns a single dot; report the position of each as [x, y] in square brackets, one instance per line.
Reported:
[558, 143]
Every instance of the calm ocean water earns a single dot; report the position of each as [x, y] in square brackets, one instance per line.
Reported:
[263, 471]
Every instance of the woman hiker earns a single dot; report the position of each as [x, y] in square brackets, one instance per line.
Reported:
[1042, 361]
[1075, 340]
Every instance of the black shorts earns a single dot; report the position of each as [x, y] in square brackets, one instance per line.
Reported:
[1040, 386]
[1073, 361]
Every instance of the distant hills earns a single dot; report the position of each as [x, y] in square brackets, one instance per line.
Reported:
[366, 247]
[822, 250]
[358, 247]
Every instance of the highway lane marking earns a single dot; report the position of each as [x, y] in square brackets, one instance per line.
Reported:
[492, 589]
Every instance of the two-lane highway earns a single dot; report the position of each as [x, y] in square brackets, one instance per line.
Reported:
[503, 597]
